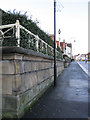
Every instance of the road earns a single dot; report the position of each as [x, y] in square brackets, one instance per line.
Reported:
[85, 66]
[68, 99]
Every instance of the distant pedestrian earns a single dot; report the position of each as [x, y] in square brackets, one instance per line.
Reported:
[86, 61]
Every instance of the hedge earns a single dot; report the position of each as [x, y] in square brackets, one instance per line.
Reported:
[11, 17]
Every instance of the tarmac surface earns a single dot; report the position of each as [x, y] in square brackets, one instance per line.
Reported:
[85, 66]
[68, 99]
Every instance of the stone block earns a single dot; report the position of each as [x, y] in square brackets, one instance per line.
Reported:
[48, 65]
[9, 103]
[1, 67]
[29, 80]
[18, 56]
[33, 79]
[47, 73]
[26, 97]
[32, 57]
[38, 67]
[8, 56]
[42, 86]
[0, 101]
[12, 56]
[17, 85]
[41, 76]
[0, 84]
[36, 90]
[27, 66]
[23, 100]
[26, 81]
[26, 57]
[51, 71]
[7, 84]
[52, 64]
[33, 66]
[7, 67]
[23, 78]
[45, 65]
[42, 65]
[18, 67]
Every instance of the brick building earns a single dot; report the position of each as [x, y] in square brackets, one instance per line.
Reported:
[52, 37]
[63, 46]
[88, 56]
[57, 42]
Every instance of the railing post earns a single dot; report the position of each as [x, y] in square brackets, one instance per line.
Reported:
[37, 39]
[1, 38]
[18, 32]
[46, 48]
[52, 51]
[42, 46]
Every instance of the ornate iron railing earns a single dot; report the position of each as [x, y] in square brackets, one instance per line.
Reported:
[17, 35]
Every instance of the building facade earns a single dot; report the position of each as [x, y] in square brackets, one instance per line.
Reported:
[68, 50]
[52, 37]
[65, 47]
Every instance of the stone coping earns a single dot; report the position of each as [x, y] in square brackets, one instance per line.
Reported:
[20, 50]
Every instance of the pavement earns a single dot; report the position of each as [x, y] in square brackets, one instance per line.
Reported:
[68, 99]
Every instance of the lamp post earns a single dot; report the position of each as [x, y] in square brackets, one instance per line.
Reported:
[74, 46]
[73, 41]
[55, 67]
[59, 31]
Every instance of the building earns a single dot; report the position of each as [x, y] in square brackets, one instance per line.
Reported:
[75, 56]
[82, 57]
[63, 46]
[88, 56]
[57, 42]
[69, 49]
[52, 36]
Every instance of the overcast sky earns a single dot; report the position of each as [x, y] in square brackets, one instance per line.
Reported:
[72, 20]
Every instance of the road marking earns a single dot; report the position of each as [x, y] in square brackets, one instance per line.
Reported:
[84, 69]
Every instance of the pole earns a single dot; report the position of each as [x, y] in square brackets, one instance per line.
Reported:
[55, 72]
[18, 33]
[59, 31]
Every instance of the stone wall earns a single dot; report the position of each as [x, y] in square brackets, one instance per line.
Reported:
[25, 76]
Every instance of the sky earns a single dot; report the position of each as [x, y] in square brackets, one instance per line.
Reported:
[72, 19]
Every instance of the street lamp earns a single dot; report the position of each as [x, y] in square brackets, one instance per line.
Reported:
[59, 31]
[72, 45]
[55, 67]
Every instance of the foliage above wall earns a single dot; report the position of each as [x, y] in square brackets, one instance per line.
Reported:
[11, 17]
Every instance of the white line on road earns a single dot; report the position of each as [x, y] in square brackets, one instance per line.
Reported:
[84, 69]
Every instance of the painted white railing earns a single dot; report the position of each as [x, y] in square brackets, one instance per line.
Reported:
[17, 26]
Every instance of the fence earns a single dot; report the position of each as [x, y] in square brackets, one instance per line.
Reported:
[17, 35]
